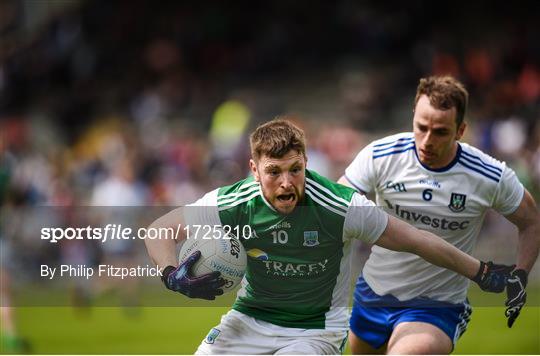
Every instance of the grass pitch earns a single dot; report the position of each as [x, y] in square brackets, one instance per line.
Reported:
[179, 330]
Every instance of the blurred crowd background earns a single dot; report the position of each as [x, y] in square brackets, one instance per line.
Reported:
[138, 103]
[147, 103]
[134, 103]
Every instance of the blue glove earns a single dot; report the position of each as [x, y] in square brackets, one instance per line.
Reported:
[179, 279]
[493, 277]
[515, 291]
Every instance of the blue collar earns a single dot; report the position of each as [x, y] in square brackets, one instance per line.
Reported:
[442, 169]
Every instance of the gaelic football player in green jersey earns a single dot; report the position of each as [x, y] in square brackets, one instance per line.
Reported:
[294, 296]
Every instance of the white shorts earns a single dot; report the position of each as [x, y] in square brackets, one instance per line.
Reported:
[241, 334]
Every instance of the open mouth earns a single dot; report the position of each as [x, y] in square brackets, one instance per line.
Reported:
[286, 198]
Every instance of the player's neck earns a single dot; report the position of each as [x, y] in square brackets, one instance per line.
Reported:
[448, 159]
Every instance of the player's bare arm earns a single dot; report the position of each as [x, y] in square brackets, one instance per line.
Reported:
[400, 236]
[163, 251]
[527, 220]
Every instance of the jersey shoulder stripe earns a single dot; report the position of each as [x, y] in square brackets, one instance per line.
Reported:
[411, 146]
[323, 204]
[323, 200]
[339, 193]
[480, 166]
[238, 193]
[495, 179]
[238, 202]
[394, 144]
[481, 163]
[236, 189]
[328, 194]
[394, 139]
[398, 144]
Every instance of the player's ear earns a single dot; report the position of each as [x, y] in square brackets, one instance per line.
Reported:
[253, 168]
[461, 130]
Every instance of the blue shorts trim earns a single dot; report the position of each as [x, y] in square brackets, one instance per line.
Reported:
[374, 321]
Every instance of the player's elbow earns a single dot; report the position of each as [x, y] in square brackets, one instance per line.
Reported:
[531, 233]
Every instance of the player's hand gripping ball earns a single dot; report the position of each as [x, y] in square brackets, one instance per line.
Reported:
[180, 279]
[225, 255]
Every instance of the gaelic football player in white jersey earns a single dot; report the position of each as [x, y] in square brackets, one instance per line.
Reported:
[294, 295]
[402, 304]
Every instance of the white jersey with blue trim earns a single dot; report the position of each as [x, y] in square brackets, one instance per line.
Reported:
[450, 202]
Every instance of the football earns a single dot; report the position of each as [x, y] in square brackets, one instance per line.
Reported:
[224, 255]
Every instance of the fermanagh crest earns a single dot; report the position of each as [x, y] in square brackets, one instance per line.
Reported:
[212, 336]
[457, 202]
[311, 238]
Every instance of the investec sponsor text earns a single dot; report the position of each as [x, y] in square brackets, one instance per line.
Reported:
[419, 217]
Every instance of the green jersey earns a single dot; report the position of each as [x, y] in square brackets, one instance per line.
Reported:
[298, 271]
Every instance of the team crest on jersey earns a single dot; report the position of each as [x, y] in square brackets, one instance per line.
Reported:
[457, 202]
[311, 238]
[212, 336]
